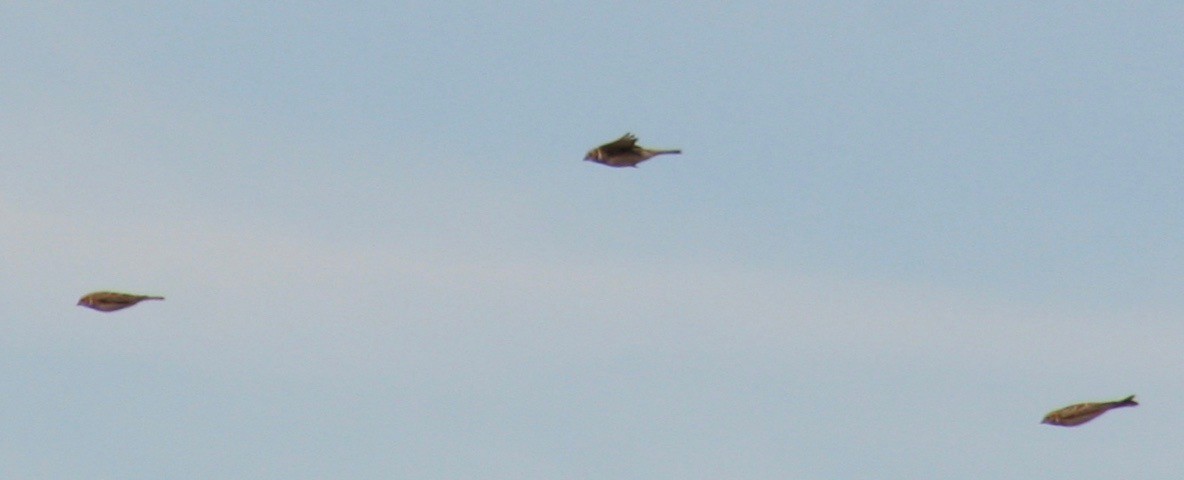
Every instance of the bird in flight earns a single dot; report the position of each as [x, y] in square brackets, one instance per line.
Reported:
[624, 152]
[1075, 415]
[112, 301]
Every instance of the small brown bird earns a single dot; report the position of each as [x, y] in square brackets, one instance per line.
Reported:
[1075, 415]
[112, 301]
[624, 152]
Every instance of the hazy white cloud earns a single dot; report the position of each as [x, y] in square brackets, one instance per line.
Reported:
[300, 304]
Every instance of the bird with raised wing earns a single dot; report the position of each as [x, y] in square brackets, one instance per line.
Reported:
[624, 152]
[112, 301]
[1075, 415]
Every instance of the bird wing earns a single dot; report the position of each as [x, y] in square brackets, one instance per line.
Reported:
[1082, 409]
[118, 298]
[624, 144]
[123, 299]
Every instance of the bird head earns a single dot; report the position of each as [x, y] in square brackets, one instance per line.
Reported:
[84, 301]
[1049, 420]
[593, 155]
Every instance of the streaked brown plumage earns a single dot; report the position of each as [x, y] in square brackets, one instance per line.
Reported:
[112, 301]
[623, 152]
[1075, 415]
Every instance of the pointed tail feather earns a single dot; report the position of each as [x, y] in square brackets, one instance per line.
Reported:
[1128, 402]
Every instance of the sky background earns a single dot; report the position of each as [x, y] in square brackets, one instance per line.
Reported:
[899, 234]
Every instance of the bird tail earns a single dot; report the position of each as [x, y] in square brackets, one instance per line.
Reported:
[1127, 402]
[153, 298]
[662, 152]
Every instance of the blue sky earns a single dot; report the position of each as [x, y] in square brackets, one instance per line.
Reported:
[897, 237]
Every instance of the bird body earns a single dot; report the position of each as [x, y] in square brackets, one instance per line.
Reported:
[112, 301]
[1075, 415]
[624, 152]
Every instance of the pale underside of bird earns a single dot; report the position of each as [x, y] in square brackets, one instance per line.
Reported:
[624, 152]
[1075, 415]
[112, 301]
